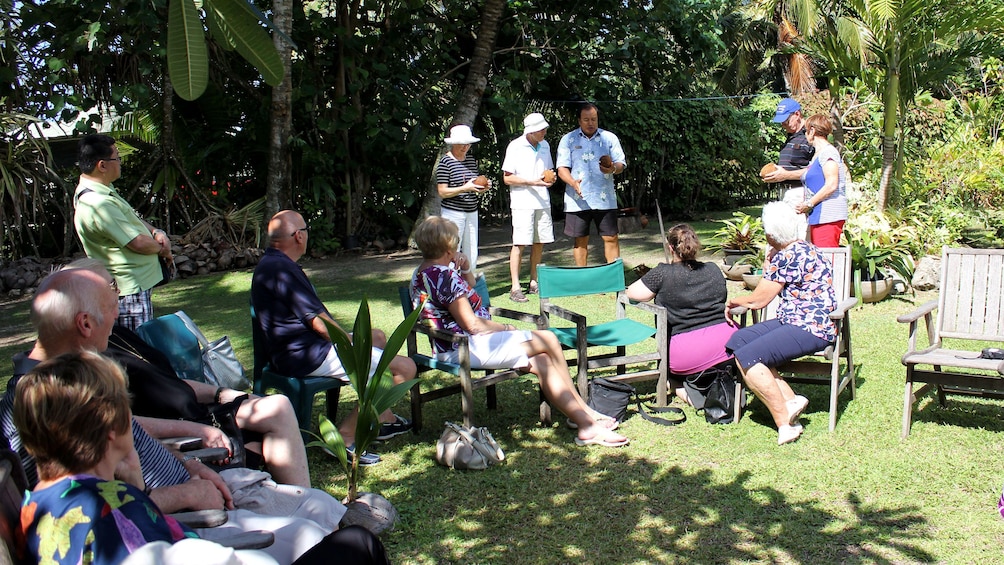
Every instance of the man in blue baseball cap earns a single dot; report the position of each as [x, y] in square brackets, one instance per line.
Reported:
[796, 153]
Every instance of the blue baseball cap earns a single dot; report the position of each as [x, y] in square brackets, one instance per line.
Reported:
[785, 108]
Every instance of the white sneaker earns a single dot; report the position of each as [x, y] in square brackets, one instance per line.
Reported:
[796, 406]
[788, 434]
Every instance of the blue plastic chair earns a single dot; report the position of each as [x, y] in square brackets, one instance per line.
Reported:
[300, 391]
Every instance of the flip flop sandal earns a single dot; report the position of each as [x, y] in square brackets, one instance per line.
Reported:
[597, 440]
[573, 426]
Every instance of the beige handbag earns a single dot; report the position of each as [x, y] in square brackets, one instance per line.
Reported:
[467, 448]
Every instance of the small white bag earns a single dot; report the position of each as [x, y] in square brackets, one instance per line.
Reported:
[219, 361]
[468, 448]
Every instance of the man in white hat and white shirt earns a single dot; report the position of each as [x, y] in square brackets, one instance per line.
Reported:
[455, 183]
[526, 160]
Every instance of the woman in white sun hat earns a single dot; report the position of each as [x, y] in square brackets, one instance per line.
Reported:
[455, 178]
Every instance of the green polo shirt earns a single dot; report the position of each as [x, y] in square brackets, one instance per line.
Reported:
[105, 224]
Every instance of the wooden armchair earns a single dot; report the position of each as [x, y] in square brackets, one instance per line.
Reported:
[833, 366]
[557, 282]
[468, 383]
[970, 307]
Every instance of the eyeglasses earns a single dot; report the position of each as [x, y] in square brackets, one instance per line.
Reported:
[114, 285]
[304, 230]
[110, 159]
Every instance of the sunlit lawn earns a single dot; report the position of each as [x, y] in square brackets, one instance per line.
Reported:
[694, 493]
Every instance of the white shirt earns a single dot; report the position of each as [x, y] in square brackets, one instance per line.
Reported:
[525, 161]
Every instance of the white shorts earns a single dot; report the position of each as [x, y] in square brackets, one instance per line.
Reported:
[531, 226]
[332, 365]
[496, 350]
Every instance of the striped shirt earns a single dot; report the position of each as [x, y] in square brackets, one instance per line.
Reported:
[834, 208]
[796, 154]
[455, 173]
[160, 467]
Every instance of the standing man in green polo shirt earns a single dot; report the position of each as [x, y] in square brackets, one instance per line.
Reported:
[112, 232]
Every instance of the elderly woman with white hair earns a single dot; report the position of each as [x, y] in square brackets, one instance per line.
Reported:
[803, 278]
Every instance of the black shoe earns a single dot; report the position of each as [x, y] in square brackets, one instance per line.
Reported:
[400, 426]
[365, 458]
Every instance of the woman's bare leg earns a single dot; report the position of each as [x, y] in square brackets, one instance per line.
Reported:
[763, 381]
[282, 445]
[548, 363]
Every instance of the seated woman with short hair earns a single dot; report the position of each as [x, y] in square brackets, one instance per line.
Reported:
[73, 415]
[449, 301]
[89, 505]
[693, 294]
[803, 278]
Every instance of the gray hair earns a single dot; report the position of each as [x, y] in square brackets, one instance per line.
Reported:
[61, 296]
[780, 222]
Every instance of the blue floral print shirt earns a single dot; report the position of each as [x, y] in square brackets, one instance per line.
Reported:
[581, 155]
[808, 296]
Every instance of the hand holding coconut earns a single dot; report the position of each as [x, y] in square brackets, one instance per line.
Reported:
[606, 165]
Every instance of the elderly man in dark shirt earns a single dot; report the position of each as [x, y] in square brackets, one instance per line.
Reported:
[796, 153]
[292, 318]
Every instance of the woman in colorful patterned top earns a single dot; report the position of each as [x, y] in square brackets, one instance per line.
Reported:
[90, 504]
[444, 287]
[74, 418]
[803, 278]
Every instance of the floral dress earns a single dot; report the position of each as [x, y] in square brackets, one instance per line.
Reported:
[808, 296]
[85, 519]
[435, 288]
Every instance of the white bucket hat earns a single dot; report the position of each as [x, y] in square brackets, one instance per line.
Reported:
[534, 122]
[461, 135]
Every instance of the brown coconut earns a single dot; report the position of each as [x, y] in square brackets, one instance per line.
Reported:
[767, 169]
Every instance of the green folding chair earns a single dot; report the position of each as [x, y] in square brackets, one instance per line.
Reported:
[621, 332]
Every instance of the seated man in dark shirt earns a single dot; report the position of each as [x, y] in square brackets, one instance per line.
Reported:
[292, 318]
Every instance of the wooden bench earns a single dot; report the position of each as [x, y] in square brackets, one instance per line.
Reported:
[970, 306]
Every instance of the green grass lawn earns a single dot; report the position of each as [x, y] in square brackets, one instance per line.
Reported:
[694, 493]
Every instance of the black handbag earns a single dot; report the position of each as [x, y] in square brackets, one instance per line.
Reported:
[224, 418]
[713, 390]
[613, 397]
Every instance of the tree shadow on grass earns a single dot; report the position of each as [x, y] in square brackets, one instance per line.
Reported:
[552, 502]
[578, 508]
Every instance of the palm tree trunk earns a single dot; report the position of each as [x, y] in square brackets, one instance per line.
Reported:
[889, 136]
[277, 189]
[838, 125]
[470, 97]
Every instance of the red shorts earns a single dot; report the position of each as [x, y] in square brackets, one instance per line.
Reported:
[827, 235]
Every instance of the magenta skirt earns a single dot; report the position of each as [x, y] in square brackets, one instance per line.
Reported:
[696, 350]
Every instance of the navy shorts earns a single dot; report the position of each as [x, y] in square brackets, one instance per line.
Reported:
[772, 343]
[577, 223]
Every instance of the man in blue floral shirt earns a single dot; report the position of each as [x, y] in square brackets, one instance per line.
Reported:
[589, 183]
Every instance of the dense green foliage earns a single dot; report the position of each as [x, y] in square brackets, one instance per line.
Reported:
[374, 88]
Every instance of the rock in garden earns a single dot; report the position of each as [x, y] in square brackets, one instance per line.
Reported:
[928, 273]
